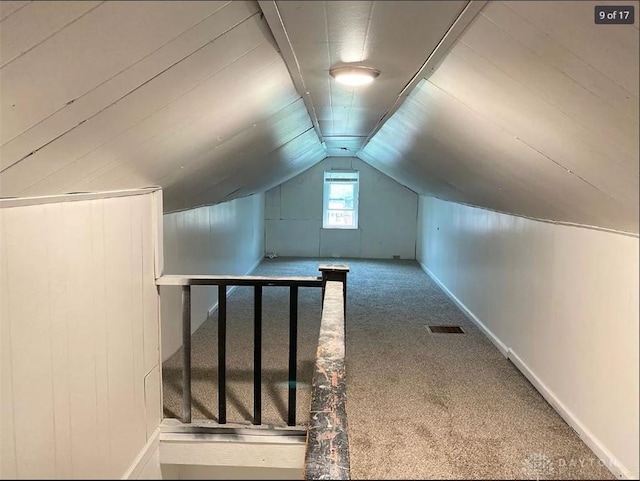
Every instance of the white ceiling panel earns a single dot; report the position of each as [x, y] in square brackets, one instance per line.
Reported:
[500, 163]
[116, 88]
[9, 7]
[169, 138]
[307, 54]
[402, 31]
[395, 37]
[257, 139]
[154, 95]
[326, 125]
[558, 55]
[481, 164]
[307, 19]
[339, 152]
[419, 177]
[348, 29]
[613, 51]
[35, 23]
[66, 66]
[542, 125]
[255, 170]
[534, 111]
[343, 146]
[519, 64]
[198, 97]
[218, 120]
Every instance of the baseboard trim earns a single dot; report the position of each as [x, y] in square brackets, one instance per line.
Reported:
[214, 307]
[146, 453]
[501, 346]
[602, 453]
[255, 265]
[605, 456]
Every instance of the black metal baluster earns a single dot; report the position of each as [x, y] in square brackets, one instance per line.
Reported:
[293, 352]
[186, 354]
[257, 356]
[222, 348]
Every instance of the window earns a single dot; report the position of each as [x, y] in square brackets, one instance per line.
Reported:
[340, 200]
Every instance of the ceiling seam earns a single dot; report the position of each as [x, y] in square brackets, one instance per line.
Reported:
[568, 170]
[127, 68]
[551, 104]
[91, 177]
[235, 136]
[328, 78]
[543, 61]
[105, 142]
[430, 174]
[366, 35]
[312, 114]
[540, 219]
[350, 109]
[68, 24]
[503, 129]
[137, 123]
[134, 90]
[204, 191]
[574, 53]
[26, 4]
[468, 13]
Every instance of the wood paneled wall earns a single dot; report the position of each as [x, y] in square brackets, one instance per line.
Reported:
[80, 379]
[560, 301]
[386, 217]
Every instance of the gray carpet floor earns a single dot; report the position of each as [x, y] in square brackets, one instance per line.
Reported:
[419, 405]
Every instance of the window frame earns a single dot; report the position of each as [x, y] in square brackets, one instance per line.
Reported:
[343, 177]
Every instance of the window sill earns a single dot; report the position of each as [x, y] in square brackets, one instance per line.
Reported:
[340, 228]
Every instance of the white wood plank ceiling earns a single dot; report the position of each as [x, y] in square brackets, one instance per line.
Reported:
[532, 110]
[191, 96]
[394, 37]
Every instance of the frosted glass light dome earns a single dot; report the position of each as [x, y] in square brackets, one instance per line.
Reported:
[354, 76]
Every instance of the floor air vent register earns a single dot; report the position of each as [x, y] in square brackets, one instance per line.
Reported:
[445, 329]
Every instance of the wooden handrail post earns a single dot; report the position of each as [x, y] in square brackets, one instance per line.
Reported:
[327, 449]
[335, 272]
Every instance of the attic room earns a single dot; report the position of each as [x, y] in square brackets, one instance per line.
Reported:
[319, 239]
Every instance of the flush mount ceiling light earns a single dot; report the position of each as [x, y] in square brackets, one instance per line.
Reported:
[354, 75]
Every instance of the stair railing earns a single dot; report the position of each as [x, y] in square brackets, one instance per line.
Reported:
[327, 448]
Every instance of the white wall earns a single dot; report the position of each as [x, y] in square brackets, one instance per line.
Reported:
[387, 216]
[79, 338]
[561, 301]
[226, 238]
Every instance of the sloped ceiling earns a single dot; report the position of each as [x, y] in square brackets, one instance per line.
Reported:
[394, 37]
[532, 110]
[191, 96]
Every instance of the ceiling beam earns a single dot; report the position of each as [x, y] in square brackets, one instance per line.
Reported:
[274, 20]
